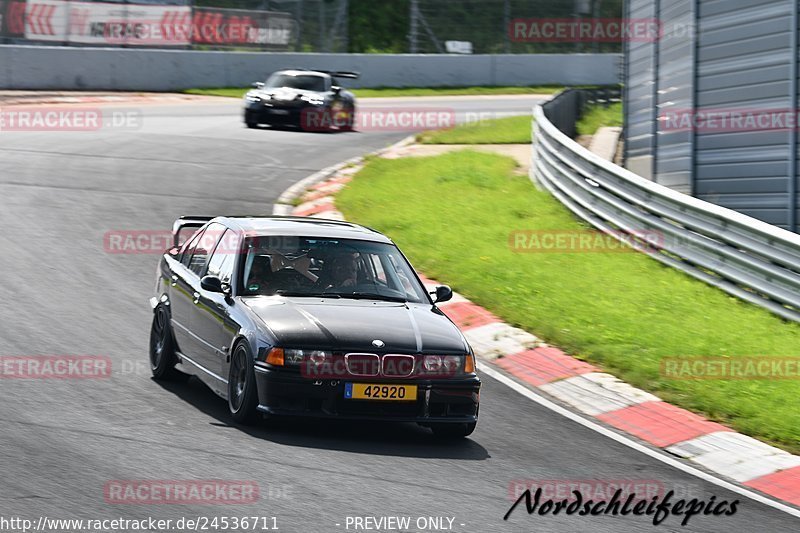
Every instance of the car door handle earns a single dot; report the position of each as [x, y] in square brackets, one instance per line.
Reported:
[196, 297]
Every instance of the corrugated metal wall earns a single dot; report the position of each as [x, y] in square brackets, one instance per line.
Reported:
[675, 83]
[740, 55]
[639, 93]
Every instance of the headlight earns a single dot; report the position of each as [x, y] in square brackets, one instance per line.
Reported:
[447, 365]
[432, 363]
[254, 99]
[313, 100]
[295, 357]
[452, 363]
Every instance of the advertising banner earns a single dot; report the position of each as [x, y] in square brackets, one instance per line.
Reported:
[129, 24]
[107, 24]
[235, 27]
[144, 24]
[12, 19]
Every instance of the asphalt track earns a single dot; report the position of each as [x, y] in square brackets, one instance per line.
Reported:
[63, 440]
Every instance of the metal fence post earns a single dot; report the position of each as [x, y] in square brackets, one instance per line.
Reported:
[413, 32]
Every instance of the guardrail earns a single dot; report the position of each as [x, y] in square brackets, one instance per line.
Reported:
[743, 256]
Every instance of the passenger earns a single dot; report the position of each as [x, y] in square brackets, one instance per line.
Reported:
[342, 271]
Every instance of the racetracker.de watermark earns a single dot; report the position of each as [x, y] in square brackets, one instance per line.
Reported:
[729, 120]
[584, 241]
[398, 366]
[177, 491]
[71, 119]
[731, 368]
[597, 489]
[159, 241]
[55, 367]
[599, 30]
[379, 119]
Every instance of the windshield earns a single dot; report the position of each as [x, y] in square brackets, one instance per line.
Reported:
[305, 82]
[343, 268]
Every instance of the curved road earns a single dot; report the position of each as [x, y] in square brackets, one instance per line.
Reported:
[64, 440]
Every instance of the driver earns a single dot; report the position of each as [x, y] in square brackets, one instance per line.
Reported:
[260, 272]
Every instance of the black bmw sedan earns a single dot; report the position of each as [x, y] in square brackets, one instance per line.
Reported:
[308, 317]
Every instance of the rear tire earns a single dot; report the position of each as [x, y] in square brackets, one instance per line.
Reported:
[162, 347]
[242, 393]
[453, 431]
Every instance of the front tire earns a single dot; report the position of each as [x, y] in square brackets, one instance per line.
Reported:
[453, 431]
[350, 122]
[242, 393]
[162, 346]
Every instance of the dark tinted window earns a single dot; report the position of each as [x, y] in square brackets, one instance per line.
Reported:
[188, 250]
[221, 263]
[204, 245]
[345, 268]
[303, 82]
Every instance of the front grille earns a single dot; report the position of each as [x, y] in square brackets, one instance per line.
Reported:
[363, 364]
[399, 366]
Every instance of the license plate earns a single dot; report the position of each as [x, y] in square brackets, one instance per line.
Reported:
[279, 111]
[374, 391]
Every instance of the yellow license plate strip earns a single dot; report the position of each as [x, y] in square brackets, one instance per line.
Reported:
[379, 391]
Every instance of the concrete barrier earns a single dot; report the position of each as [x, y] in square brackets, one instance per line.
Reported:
[66, 68]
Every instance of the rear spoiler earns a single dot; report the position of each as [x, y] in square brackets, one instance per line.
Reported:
[335, 73]
[343, 74]
[187, 222]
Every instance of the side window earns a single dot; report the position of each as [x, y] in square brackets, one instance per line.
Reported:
[221, 263]
[377, 266]
[189, 250]
[203, 247]
[394, 268]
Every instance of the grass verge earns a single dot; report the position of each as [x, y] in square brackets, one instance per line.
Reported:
[622, 311]
[508, 130]
[599, 116]
[387, 92]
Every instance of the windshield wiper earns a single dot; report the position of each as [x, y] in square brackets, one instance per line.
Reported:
[371, 296]
[309, 294]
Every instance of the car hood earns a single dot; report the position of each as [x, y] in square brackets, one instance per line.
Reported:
[352, 325]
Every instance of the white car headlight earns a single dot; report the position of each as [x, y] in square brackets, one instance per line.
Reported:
[313, 100]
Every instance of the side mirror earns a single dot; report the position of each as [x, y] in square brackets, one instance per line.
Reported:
[443, 294]
[336, 90]
[257, 85]
[211, 284]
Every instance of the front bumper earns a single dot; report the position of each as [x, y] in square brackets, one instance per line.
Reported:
[278, 113]
[286, 393]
